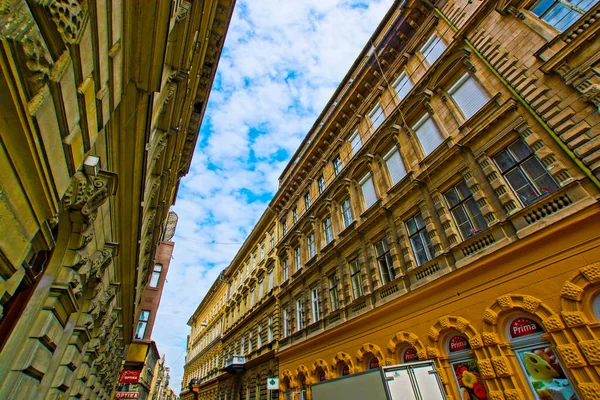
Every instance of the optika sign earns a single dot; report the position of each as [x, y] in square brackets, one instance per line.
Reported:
[524, 327]
[129, 376]
[458, 343]
[126, 395]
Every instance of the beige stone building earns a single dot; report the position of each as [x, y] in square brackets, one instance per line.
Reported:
[443, 206]
[100, 103]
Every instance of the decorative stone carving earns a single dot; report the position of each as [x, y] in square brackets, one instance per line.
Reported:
[571, 291]
[501, 366]
[504, 302]
[86, 194]
[553, 323]
[573, 318]
[490, 316]
[476, 342]
[591, 272]
[590, 390]
[530, 304]
[69, 16]
[591, 351]
[570, 355]
[486, 369]
[490, 338]
[512, 394]
[496, 395]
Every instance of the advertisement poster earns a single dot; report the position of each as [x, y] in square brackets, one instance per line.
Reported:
[470, 384]
[545, 374]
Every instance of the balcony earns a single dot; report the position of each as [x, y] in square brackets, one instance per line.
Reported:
[234, 364]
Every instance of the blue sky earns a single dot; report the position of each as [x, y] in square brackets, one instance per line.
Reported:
[281, 63]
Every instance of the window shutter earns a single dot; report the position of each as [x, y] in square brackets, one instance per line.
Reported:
[428, 134]
[402, 86]
[469, 96]
[433, 49]
[395, 166]
[368, 191]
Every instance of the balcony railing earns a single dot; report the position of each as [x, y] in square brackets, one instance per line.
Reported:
[234, 364]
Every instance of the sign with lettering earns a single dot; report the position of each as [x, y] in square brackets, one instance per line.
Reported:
[126, 395]
[458, 343]
[129, 376]
[410, 355]
[524, 327]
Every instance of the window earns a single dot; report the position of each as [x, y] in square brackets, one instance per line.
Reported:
[384, 260]
[285, 322]
[377, 117]
[527, 177]
[355, 141]
[428, 134]
[468, 95]
[402, 86]
[259, 337]
[356, 278]
[243, 346]
[270, 329]
[368, 191]
[321, 184]
[250, 342]
[316, 315]
[262, 251]
[561, 14]
[327, 229]
[307, 200]
[333, 292]
[395, 166]
[311, 246]
[271, 279]
[155, 275]
[142, 323]
[251, 297]
[285, 267]
[284, 227]
[272, 240]
[464, 209]
[337, 165]
[347, 212]
[261, 287]
[297, 258]
[254, 261]
[419, 239]
[295, 215]
[433, 49]
[299, 315]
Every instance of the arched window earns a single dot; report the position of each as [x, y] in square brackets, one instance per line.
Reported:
[466, 373]
[408, 354]
[373, 363]
[596, 306]
[302, 381]
[344, 369]
[545, 375]
[321, 375]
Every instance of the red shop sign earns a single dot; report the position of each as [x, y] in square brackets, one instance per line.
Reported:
[524, 327]
[129, 376]
[126, 395]
[410, 355]
[458, 343]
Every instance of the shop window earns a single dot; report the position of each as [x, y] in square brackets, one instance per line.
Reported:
[433, 49]
[466, 373]
[464, 210]
[428, 134]
[395, 166]
[409, 354]
[544, 373]
[561, 14]
[525, 174]
[368, 191]
[468, 95]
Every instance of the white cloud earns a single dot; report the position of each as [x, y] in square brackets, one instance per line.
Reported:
[281, 64]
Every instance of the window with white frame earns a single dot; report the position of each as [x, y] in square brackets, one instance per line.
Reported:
[243, 346]
[259, 337]
[271, 282]
[307, 200]
[155, 275]
[384, 261]
[254, 261]
[316, 315]
[285, 269]
[285, 322]
[321, 184]
[262, 251]
[299, 315]
[250, 342]
[394, 165]
[270, 330]
[284, 227]
[142, 324]
[464, 210]
[368, 190]
[260, 289]
[419, 239]
[272, 241]
[376, 116]
[251, 297]
[402, 86]
[356, 278]
[298, 258]
[561, 14]
[337, 165]
[347, 212]
[468, 95]
[333, 292]
[327, 230]
[295, 215]
[428, 134]
[525, 174]
[355, 141]
[433, 49]
[311, 245]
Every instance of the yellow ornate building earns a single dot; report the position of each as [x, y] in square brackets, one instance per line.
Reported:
[100, 104]
[444, 206]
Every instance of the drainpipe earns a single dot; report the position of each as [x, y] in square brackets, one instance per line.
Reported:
[521, 100]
